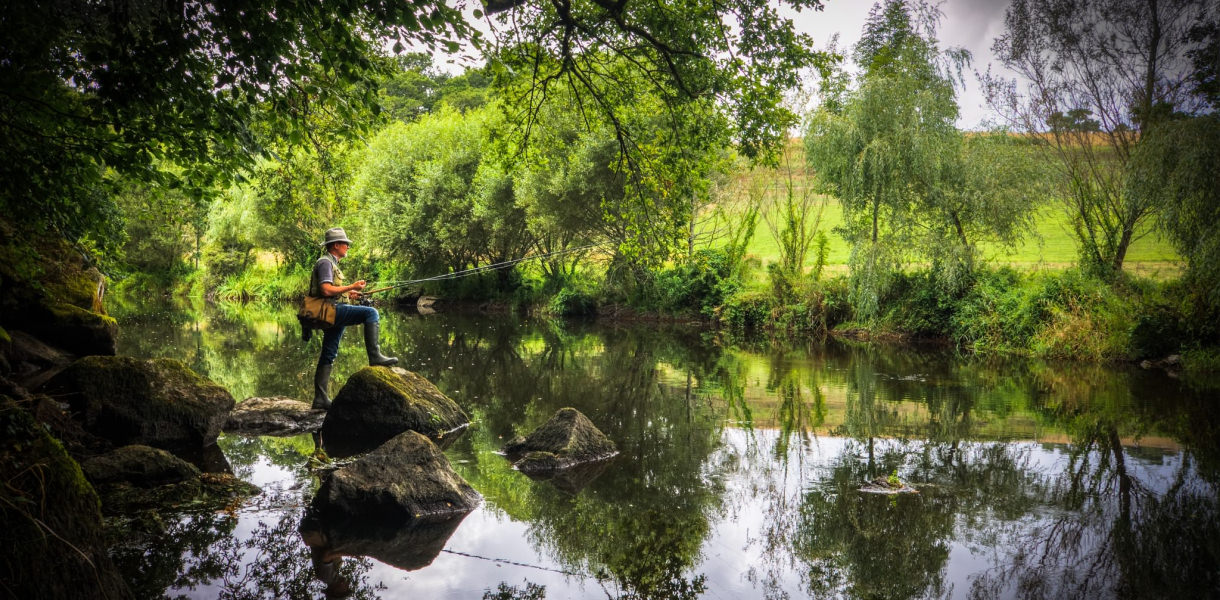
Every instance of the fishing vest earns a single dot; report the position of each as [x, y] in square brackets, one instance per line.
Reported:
[315, 286]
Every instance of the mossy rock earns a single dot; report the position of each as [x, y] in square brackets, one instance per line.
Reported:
[158, 402]
[406, 479]
[75, 329]
[54, 293]
[378, 403]
[569, 438]
[52, 544]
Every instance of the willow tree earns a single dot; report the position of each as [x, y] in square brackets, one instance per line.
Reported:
[438, 194]
[1097, 76]
[888, 150]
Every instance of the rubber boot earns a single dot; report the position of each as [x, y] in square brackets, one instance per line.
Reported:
[321, 380]
[373, 347]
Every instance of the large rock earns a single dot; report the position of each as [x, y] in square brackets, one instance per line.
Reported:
[274, 415]
[158, 402]
[75, 329]
[52, 544]
[406, 479]
[569, 438]
[378, 403]
[53, 292]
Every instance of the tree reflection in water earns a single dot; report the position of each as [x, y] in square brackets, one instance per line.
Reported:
[713, 436]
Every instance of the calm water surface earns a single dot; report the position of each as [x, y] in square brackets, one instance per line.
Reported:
[741, 471]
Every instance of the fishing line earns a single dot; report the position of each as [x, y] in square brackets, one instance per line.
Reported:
[389, 285]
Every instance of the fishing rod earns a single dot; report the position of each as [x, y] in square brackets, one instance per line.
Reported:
[391, 285]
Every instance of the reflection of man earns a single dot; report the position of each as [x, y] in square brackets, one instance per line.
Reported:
[327, 282]
[326, 566]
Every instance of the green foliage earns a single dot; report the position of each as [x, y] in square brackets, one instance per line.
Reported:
[164, 229]
[1175, 166]
[572, 302]
[1096, 87]
[744, 55]
[747, 311]
[891, 153]
[437, 193]
[416, 87]
[1055, 315]
[93, 88]
[915, 303]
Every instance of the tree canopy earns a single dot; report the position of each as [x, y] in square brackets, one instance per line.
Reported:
[191, 94]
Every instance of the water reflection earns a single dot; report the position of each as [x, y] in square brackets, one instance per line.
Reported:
[739, 474]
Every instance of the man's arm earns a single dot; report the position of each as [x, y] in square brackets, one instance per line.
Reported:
[329, 289]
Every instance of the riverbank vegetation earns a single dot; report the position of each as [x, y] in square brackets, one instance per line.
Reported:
[644, 185]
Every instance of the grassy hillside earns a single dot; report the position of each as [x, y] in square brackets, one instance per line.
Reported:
[1053, 246]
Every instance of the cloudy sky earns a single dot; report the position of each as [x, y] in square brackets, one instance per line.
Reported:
[970, 24]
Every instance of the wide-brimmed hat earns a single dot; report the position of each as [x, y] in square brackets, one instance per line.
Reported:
[335, 234]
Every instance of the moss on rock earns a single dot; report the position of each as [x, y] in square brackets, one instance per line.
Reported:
[158, 402]
[567, 439]
[406, 479]
[378, 403]
[52, 544]
[75, 329]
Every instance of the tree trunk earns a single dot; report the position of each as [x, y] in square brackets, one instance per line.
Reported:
[1120, 251]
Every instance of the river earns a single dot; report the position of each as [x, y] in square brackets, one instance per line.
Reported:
[745, 471]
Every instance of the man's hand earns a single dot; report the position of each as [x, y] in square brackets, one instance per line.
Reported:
[354, 295]
[359, 285]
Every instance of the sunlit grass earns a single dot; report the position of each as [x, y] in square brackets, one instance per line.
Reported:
[1052, 246]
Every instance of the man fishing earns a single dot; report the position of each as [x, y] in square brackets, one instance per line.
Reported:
[327, 282]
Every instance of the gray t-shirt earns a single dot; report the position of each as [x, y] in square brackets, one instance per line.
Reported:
[326, 270]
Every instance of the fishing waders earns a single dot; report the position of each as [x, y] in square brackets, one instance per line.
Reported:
[321, 381]
[372, 346]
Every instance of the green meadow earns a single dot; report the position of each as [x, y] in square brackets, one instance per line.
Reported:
[1051, 246]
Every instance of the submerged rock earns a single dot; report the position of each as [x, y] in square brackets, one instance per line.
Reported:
[407, 478]
[52, 544]
[569, 438]
[158, 402]
[275, 415]
[888, 485]
[570, 480]
[378, 403]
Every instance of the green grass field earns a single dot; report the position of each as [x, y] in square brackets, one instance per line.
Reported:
[1053, 246]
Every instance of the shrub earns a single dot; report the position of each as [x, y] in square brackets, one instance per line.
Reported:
[570, 302]
[747, 311]
[696, 287]
[915, 304]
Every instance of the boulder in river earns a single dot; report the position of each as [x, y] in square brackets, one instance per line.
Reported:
[378, 403]
[569, 438]
[157, 402]
[274, 415]
[52, 544]
[408, 478]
